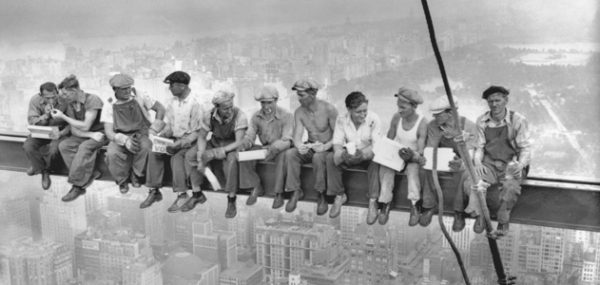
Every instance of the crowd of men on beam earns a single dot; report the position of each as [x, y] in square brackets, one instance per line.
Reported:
[499, 138]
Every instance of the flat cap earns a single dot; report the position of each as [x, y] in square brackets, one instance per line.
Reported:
[221, 97]
[121, 81]
[178, 77]
[441, 104]
[305, 84]
[494, 89]
[409, 95]
[268, 93]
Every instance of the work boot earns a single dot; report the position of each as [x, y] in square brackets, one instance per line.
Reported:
[124, 188]
[502, 229]
[181, 199]
[154, 195]
[46, 182]
[231, 211]
[459, 222]
[322, 206]
[135, 181]
[426, 216]
[291, 204]
[75, 192]
[257, 191]
[479, 225]
[337, 205]
[384, 215]
[277, 201]
[414, 216]
[197, 198]
[373, 212]
[30, 171]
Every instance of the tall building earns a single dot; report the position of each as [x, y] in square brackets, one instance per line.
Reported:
[282, 247]
[61, 221]
[15, 218]
[25, 261]
[144, 271]
[371, 257]
[350, 218]
[214, 245]
[149, 221]
[328, 274]
[242, 273]
[184, 268]
[105, 254]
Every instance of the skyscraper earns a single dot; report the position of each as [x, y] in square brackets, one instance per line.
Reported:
[213, 245]
[149, 221]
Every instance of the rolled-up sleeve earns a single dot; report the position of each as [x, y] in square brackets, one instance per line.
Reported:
[34, 112]
[339, 134]
[479, 140]
[252, 130]
[242, 121]
[522, 139]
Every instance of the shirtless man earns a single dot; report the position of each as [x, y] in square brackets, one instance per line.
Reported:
[318, 118]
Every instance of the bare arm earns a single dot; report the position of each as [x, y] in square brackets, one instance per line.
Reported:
[86, 124]
[393, 126]
[298, 128]
[421, 136]
[160, 110]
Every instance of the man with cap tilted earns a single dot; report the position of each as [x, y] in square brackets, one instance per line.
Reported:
[353, 140]
[41, 152]
[127, 123]
[183, 120]
[228, 125]
[274, 127]
[318, 118]
[441, 132]
[409, 128]
[87, 136]
[502, 155]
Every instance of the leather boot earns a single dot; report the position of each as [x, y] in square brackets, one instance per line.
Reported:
[426, 216]
[384, 215]
[46, 182]
[373, 212]
[291, 204]
[181, 199]
[322, 206]
[135, 181]
[154, 195]
[479, 225]
[257, 191]
[414, 216]
[336, 209]
[502, 229]
[277, 201]
[231, 209]
[459, 222]
[197, 198]
[124, 188]
[75, 192]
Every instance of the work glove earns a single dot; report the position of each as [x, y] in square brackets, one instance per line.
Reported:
[406, 154]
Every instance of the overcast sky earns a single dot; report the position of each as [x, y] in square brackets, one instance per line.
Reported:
[41, 19]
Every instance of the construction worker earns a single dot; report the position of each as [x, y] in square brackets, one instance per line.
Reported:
[87, 136]
[127, 123]
[183, 120]
[228, 125]
[441, 132]
[41, 152]
[274, 127]
[502, 155]
[409, 128]
[318, 118]
[353, 138]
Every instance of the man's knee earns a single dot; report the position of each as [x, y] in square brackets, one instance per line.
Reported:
[320, 157]
[231, 156]
[292, 154]
[89, 146]
[191, 157]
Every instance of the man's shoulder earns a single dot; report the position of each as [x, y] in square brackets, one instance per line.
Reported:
[517, 116]
[35, 99]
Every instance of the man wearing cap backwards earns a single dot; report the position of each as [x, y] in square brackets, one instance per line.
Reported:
[228, 125]
[441, 132]
[274, 127]
[502, 155]
[127, 124]
[318, 118]
[41, 152]
[409, 128]
[353, 140]
[183, 120]
[87, 136]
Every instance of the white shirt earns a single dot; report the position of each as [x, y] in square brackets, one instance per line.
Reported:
[345, 130]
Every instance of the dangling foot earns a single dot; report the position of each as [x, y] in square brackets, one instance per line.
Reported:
[176, 206]
[46, 182]
[479, 225]
[414, 216]
[373, 212]
[154, 195]
[426, 216]
[291, 204]
[277, 201]
[124, 188]
[459, 222]
[75, 192]
[322, 206]
[336, 209]
[384, 215]
[231, 211]
[197, 198]
[257, 191]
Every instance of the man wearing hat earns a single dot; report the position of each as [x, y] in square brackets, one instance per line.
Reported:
[183, 120]
[502, 155]
[353, 140]
[318, 118]
[87, 136]
[441, 132]
[228, 125]
[409, 128]
[274, 127]
[41, 152]
[127, 124]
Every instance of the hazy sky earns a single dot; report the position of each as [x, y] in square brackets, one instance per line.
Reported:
[47, 19]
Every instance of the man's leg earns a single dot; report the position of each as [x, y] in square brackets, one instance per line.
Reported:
[429, 197]
[294, 164]
[32, 146]
[280, 178]
[68, 148]
[474, 207]
[414, 191]
[191, 164]
[179, 175]
[386, 180]
[335, 186]
[232, 176]
[119, 162]
[81, 169]
[373, 191]
[249, 179]
[155, 170]
[140, 159]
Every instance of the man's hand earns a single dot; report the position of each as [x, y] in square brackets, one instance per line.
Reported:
[213, 153]
[514, 170]
[57, 114]
[132, 145]
[480, 169]
[318, 147]
[455, 164]
[174, 148]
[421, 160]
[303, 148]
[406, 154]
[272, 152]
[97, 136]
[244, 145]
[355, 159]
